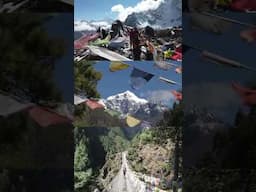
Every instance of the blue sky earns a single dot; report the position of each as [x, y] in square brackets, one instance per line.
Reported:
[117, 82]
[98, 9]
[61, 26]
[209, 85]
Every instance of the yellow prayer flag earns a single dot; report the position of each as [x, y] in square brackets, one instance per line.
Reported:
[117, 65]
[131, 121]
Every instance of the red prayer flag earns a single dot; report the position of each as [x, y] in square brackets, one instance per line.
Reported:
[84, 40]
[177, 95]
[178, 70]
[247, 95]
[92, 104]
[179, 49]
[249, 35]
[243, 5]
[176, 56]
[46, 117]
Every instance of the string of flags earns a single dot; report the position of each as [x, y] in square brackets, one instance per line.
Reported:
[161, 64]
[218, 59]
[43, 116]
[95, 104]
[131, 121]
[139, 77]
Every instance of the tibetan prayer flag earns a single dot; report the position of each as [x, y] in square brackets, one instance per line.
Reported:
[66, 110]
[78, 99]
[178, 70]
[9, 105]
[117, 65]
[223, 2]
[177, 95]
[249, 35]
[179, 49]
[93, 104]
[168, 81]
[46, 117]
[101, 42]
[177, 56]
[247, 95]
[139, 78]
[84, 40]
[164, 65]
[168, 54]
[243, 5]
[131, 121]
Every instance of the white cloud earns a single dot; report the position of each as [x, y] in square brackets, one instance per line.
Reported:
[216, 95]
[218, 98]
[90, 26]
[142, 6]
[117, 8]
[163, 96]
[83, 26]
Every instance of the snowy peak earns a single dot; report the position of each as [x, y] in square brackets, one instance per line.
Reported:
[128, 103]
[127, 95]
[167, 15]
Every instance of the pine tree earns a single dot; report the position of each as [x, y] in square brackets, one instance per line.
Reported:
[28, 56]
[171, 127]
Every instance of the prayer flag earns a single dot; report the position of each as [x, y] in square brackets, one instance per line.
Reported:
[139, 78]
[247, 95]
[177, 95]
[46, 117]
[117, 65]
[131, 121]
[92, 104]
[168, 81]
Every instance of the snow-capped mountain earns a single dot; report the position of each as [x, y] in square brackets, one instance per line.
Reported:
[168, 14]
[128, 103]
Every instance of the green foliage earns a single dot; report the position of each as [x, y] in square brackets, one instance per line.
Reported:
[83, 171]
[86, 78]
[81, 155]
[106, 142]
[115, 141]
[146, 137]
[230, 166]
[28, 55]
[171, 124]
[82, 178]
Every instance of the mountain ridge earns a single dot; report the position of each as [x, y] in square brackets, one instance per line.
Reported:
[159, 18]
